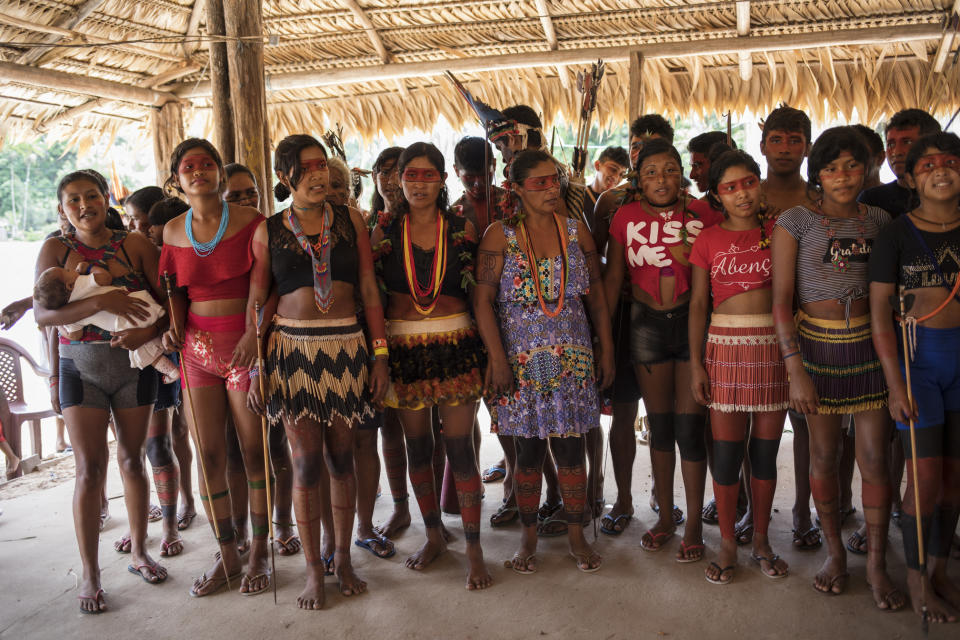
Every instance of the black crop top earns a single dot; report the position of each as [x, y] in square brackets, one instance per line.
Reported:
[394, 275]
[292, 267]
[899, 258]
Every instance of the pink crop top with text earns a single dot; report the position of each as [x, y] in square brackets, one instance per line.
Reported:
[222, 275]
[654, 245]
[734, 260]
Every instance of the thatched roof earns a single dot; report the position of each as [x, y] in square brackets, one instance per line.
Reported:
[375, 65]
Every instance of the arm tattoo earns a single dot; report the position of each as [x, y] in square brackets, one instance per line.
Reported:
[487, 272]
[789, 344]
[593, 266]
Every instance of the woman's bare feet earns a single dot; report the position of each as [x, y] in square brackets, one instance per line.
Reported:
[832, 577]
[257, 578]
[936, 609]
[478, 577]
[312, 597]
[350, 583]
[885, 593]
[433, 547]
[943, 586]
[397, 522]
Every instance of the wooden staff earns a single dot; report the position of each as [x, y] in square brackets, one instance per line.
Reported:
[266, 447]
[193, 415]
[913, 461]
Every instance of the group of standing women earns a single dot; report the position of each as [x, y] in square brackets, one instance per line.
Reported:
[411, 317]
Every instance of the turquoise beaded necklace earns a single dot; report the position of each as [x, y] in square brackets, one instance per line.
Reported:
[203, 249]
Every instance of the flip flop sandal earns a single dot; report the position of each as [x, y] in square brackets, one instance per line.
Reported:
[327, 564]
[583, 562]
[289, 546]
[658, 539]
[709, 514]
[677, 513]
[853, 543]
[548, 510]
[509, 513]
[204, 578]
[166, 546]
[122, 545]
[719, 580]
[152, 569]
[250, 579]
[154, 514]
[833, 582]
[744, 534]
[552, 527]
[896, 516]
[801, 537]
[685, 548]
[610, 525]
[772, 560]
[185, 520]
[524, 563]
[101, 608]
[367, 543]
[493, 474]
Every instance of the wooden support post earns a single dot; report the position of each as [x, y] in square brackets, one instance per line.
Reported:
[636, 98]
[243, 19]
[223, 137]
[167, 126]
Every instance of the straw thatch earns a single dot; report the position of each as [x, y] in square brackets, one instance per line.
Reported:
[154, 44]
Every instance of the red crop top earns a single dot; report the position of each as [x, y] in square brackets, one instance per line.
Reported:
[654, 245]
[222, 275]
[734, 260]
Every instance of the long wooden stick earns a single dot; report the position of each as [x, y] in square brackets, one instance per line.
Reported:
[922, 560]
[266, 447]
[193, 415]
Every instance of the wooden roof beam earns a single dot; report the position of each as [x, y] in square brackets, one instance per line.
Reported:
[946, 42]
[743, 29]
[83, 85]
[66, 22]
[715, 46]
[547, 21]
[371, 30]
[193, 28]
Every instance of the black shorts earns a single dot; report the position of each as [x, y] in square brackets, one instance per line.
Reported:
[168, 395]
[659, 336]
[99, 376]
[625, 388]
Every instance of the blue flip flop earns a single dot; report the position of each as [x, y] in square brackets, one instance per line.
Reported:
[609, 524]
[367, 543]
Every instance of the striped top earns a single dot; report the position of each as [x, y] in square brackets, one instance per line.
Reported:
[832, 253]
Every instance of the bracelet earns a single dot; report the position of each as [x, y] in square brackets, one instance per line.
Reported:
[378, 343]
[380, 351]
[791, 354]
[254, 372]
[54, 381]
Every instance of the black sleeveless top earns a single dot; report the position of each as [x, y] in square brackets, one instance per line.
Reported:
[292, 268]
[394, 275]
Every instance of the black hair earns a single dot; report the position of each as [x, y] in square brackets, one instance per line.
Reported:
[234, 168]
[470, 153]
[114, 220]
[143, 199]
[656, 147]
[945, 142]
[171, 186]
[390, 154]
[84, 174]
[914, 118]
[525, 161]
[828, 148]
[435, 157]
[615, 154]
[788, 119]
[50, 290]
[703, 142]
[526, 115]
[166, 210]
[652, 123]
[872, 138]
[719, 165]
[286, 161]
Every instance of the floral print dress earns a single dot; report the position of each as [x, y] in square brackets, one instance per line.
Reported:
[552, 358]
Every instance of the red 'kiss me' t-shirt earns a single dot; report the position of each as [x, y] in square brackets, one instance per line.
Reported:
[734, 260]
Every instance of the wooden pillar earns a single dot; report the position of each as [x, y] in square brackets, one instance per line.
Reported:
[167, 126]
[223, 137]
[636, 97]
[243, 19]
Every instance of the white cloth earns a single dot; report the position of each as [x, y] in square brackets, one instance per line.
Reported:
[147, 353]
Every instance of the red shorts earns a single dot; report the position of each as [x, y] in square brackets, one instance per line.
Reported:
[208, 349]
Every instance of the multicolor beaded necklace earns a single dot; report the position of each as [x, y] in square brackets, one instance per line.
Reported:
[535, 268]
[438, 268]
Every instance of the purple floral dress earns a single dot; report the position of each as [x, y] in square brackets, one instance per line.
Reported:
[552, 358]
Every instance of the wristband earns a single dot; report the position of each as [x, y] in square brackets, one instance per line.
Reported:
[378, 343]
[254, 372]
[791, 354]
[54, 381]
[380, 351]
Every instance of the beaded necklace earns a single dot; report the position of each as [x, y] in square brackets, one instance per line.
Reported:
[837, 259]
[204, 249]
[319, 253]
[436, 274]
[535, 267]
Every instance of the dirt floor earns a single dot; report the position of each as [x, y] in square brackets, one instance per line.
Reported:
[635, 595]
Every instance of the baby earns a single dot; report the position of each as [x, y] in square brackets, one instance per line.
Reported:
[57, 286]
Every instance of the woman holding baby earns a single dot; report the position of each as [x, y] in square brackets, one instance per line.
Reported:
[95, 371]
